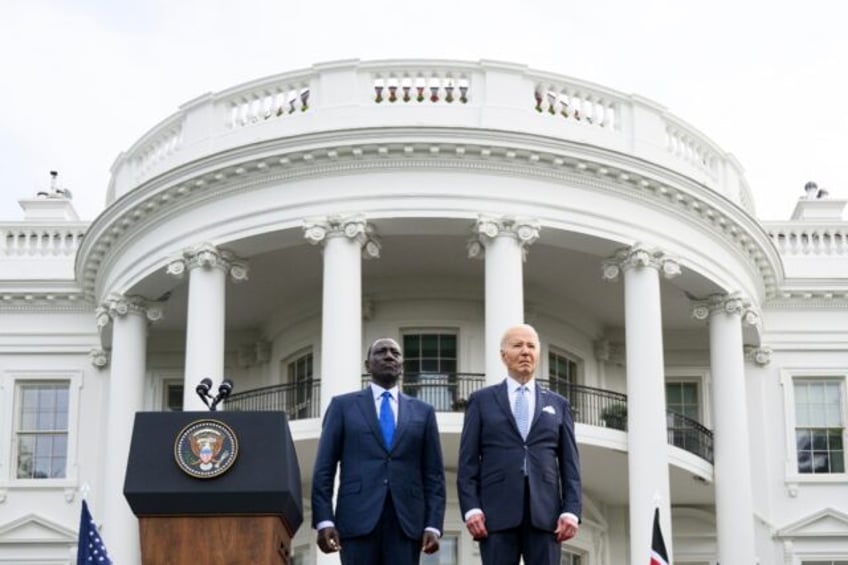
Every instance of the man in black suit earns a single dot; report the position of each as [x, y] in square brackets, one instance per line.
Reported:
[518, 474]
[391, 499]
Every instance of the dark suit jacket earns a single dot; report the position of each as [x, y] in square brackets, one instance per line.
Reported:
[412, 470]
[491, 454]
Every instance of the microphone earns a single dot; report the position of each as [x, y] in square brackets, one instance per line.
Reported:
[205, 385]
[202, 390]
[224, 390]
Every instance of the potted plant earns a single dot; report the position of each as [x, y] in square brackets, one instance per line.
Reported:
[615, 416]
[460, 404]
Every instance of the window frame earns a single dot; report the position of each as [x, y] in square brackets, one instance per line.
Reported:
[788, 378]
[699, 376]
[438, 331]
[10, 382]
[162, 378]
[303, 390]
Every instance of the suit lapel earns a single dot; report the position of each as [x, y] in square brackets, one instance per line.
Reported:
[365, 401]
[502, 399]
[537, 411]
[403, 417]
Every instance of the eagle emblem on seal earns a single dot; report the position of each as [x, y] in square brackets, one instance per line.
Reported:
[206, 448]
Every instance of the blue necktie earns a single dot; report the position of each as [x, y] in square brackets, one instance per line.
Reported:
[522, 411]
[387, 419]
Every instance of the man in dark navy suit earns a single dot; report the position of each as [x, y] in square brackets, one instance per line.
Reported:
[518, 473]
[391, 499]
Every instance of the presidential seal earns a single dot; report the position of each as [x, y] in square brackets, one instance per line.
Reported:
[206, 449]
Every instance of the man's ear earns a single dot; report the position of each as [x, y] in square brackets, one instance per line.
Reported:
[367, 366]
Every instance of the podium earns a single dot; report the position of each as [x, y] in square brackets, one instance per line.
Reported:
[214, 487]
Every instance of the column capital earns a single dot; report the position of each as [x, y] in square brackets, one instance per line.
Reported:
[487, 228]
[354, 227]
[99, 358]
[639, 256]
[208, 256]
[727, 303]
[760, 356]
[119, 305]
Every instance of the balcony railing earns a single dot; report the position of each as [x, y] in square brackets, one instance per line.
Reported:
[446, 392]
[449, 392]
[299, 400]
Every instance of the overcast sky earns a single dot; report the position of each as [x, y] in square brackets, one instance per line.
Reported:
[82, 80]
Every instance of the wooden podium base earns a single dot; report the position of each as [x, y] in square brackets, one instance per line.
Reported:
[214, 540]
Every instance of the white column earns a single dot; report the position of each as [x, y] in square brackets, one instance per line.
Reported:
[345, 240]
[129, 315]
[731, 452]
[208, 268]
[647, 437]
[505, 242]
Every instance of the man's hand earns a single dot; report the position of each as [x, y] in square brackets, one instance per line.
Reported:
[476, 525]
[328, 540]
[429, 543]
[566, 529]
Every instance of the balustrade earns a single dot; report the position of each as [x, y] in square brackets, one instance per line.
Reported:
[449, 392]
[42, 241]
[343, 95]
[809, 240]
[577, 104]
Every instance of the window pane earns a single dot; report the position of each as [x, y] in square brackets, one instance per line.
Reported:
[448, 366]
[429, 345]
[26, 450]
[448, 346]
[673, 394]
[412, 345]
[837, 462]
[42, 430]
[835, 439]
[174, 397]
[819, 440]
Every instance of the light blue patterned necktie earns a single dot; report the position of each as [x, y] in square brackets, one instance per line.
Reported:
[387, 419]
[522, 411]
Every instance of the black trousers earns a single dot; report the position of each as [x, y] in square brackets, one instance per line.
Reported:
[506, 547]
[388, 544]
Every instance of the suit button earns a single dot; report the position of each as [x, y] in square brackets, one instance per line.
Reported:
[385, 481]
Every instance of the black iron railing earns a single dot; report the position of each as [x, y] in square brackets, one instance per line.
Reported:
[449, 392]
[686, 433]
[446, 392]
[298, 400]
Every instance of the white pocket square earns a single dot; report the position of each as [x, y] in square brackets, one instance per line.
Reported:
[549, 410]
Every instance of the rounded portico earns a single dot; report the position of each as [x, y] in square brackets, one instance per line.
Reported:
[270, 232]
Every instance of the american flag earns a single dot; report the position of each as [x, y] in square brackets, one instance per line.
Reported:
[659, 556]
[90, 548]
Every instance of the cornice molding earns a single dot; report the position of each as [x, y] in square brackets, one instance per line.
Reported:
[510, 154]
[21, 301]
